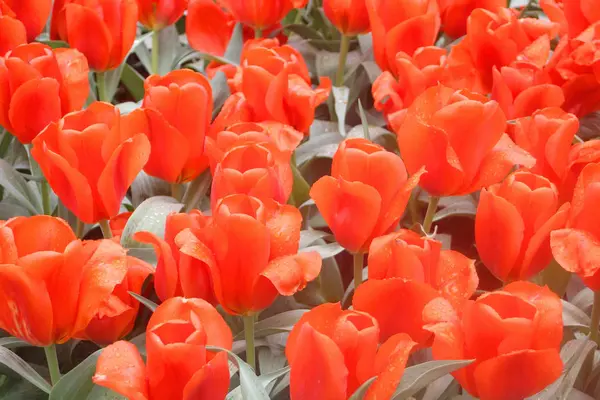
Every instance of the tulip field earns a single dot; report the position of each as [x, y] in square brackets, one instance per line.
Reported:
[300, 199]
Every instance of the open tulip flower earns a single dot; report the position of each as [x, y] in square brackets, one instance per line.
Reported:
[513, 225]
[366, 194]
[90, 159]
[458, 137]
[178, 274]
[576, 247]
[178, 365]
[513, 335]
[251, 252]
[12, 31]
[407, 271]
[38, 86]
[332, 352]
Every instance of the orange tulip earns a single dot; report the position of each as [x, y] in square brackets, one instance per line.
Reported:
[32, 13]
[406, 271]
[575, 66]
[261, 14]
[251, 252]
[178, 274]
[554, 10]
[277, 86]
[236, 109]
[513, 224]
[513, 335]
[56, 288]
[103, 30]
[366, 194]
[580, 155]
[332, 352]
[157, 14]
[579, 14]
[497, 39]
[90, 159]
[455, 13]
[12, 31]
[178, 366]
[349, 17]
[175, 116]
[256, 169]
[576, 247]
[117, 224]
[547, 135]
[401, 26]
[208, 27]
[39, 85]
[459, 138]
[393, 95]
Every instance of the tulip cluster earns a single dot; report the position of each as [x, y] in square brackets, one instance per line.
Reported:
[451, 250]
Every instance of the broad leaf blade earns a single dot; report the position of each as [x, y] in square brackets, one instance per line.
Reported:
[18, 365]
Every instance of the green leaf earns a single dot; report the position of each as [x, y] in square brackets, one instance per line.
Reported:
[419, 376]
[310, 236]
[8, 211]
[364, 122]
[325, 250]
[574, 317]
[304, 31]
[133, 81]
[465, 207]
[233, 53]
[340, 96]
[102, 393]
[15, 185]
[196, 191]
[77, 384]
[20, 366]
[145, 186]
[361, 392]
[250, 385]
[147, 302]
[10, 342]
[16, 388]
[264, 380]
[150, 216]
[283, 322]
[55, 44]
[220, 91]
[169, 48]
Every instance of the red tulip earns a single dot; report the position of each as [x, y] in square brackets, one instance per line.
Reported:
[455, 13]
[250, 251]
[349, 17]
[178, 366]
[580, 155]
[12, 31]
[38, 86]
[513, 225]
[32, 13]
[90, 159]
[261, 14]
[178, 274]
[366, 194]
[117, 224]
[103, 30]
[513, 335]
[157, 14]
[458, 137]
[332, 352]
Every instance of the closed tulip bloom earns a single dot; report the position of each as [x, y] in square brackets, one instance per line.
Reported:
[576, 247]
[32, 13]
[407, 271]
[157, 14]
[455, 13]
[103, 30]
[349, 17]
[38, 86]
[261, 14]
[513, 225]
[178, 365]
[547, 135]
[178, 274]
[251, 252]
[256, 169]
[208, 27]
[401, 26]
[175, 116]
[90, 159]
[458, 137]
[332, 352]
[366, 194]
[12, 31]
[514, 336]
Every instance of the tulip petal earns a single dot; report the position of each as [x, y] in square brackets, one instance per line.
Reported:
[210, 382]
[517, 375]
[284, 224]
[166, 277]
[290, 274]
[207, 27]
[536, 98]
[576, 251]
[397, 305]
[52, 234]
[318, 367]
[120, 368]
[455, 276]
[75, 74]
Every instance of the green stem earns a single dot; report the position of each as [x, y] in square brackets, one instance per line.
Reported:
[105, 227]
[595, 318]
[359, 260]
[101, 86]
[52, 363]
[46, 197]
[177, 191]
[79, 228]
[258, 33]
[155, 50]
[431, 209]
[344, 47]
[6, 139]
[249, 336]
